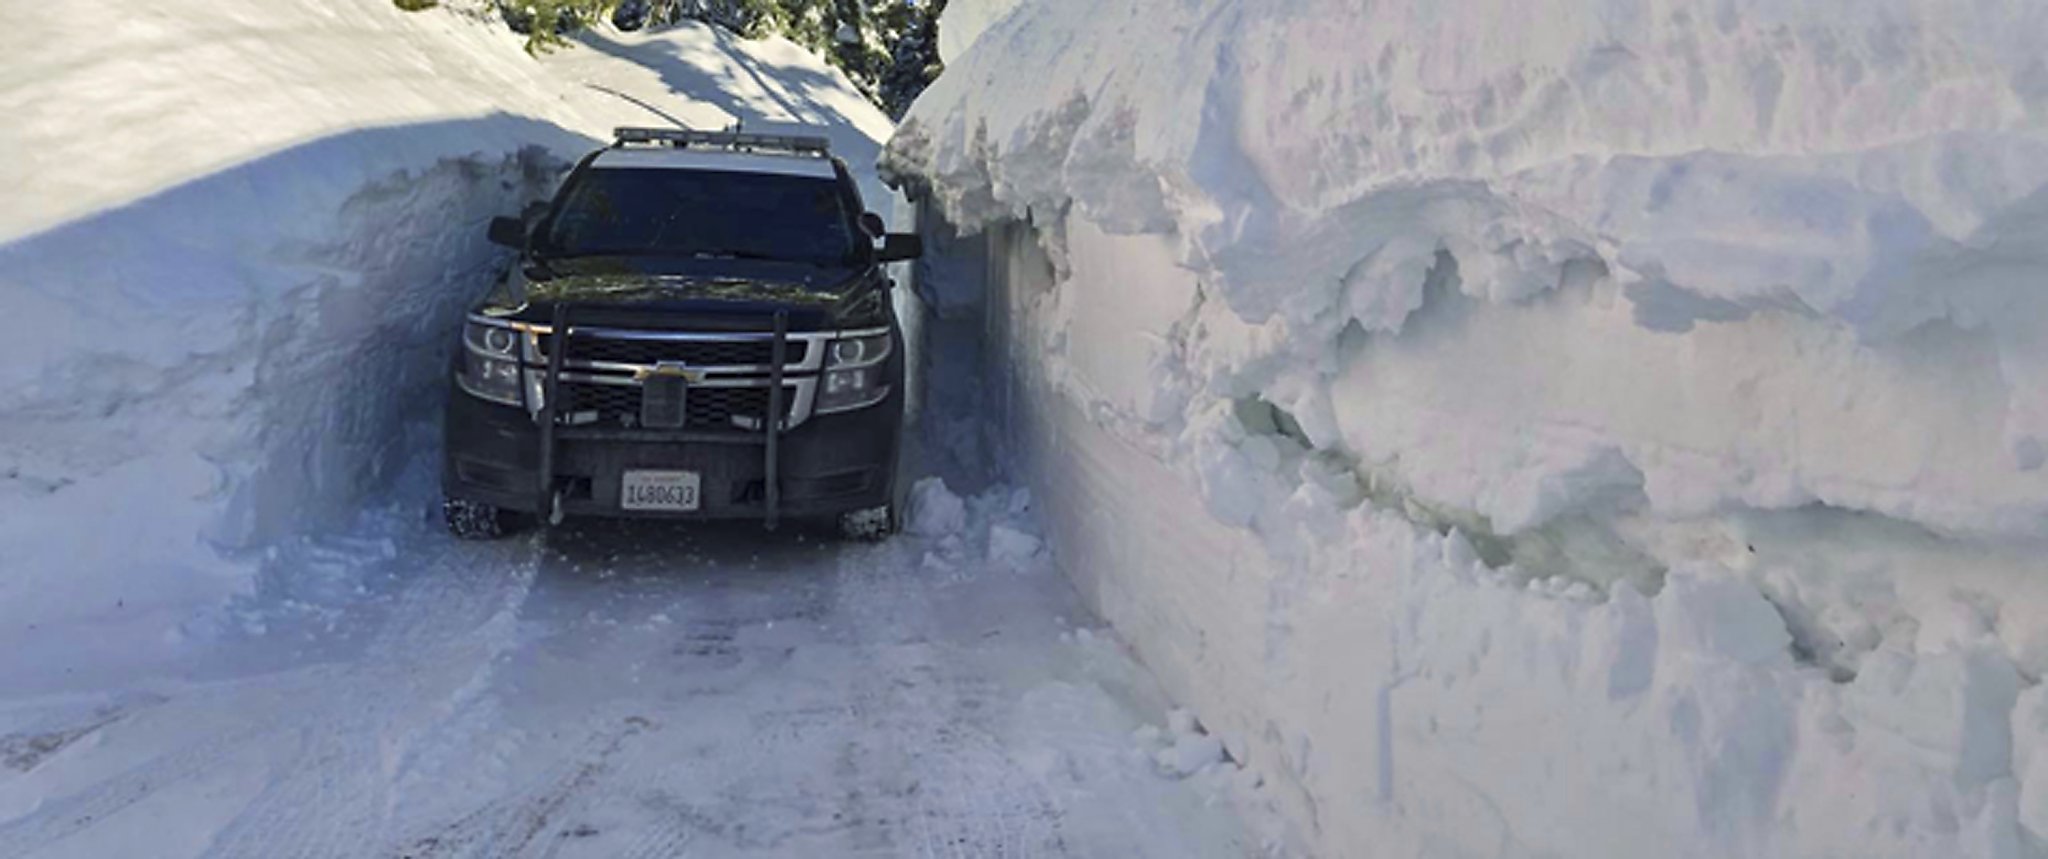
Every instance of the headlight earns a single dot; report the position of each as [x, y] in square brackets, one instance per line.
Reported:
[490, 363]
[858, 352]
[493, 340]
[853, 374]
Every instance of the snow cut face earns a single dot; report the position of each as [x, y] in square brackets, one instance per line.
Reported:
[1697, 187]
[1640, 409]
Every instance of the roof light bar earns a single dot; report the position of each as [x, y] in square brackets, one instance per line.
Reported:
[744, 140]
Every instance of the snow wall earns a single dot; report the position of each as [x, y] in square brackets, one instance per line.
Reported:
[239, 239]
[961, 23]
[1542, 429]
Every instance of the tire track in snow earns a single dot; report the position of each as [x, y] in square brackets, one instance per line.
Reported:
[848, 701]
[512, 825]
[69, 815]
[667, 839]
[971, 799]
[312, 809]
[436, 655]
[24, 750]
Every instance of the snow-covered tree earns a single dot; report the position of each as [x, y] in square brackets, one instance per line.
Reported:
[543, 22]
[913, 36]
[746, 17]
[887, 48]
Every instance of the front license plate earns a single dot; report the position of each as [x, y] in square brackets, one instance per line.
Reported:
[668, 491]
[664, 403]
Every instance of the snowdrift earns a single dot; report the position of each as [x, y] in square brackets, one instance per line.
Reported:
[1556, 428]
[238, 238]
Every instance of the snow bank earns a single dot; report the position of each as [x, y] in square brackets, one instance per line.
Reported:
[964, 21]
[1837, 169]
[1644, 400]
[238, 240]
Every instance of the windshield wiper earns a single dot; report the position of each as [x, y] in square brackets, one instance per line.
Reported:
[732, 255]
[585, 254]
[656, 252]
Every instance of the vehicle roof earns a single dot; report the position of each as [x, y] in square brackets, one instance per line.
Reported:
[669, 158]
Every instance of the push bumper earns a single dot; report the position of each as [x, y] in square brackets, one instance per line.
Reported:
[832, 464]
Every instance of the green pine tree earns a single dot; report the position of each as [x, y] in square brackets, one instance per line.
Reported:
[913, 38]
[547, 20]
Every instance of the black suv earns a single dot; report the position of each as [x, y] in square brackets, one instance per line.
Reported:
[698, 327]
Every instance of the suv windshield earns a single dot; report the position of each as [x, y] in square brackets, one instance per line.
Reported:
[664, 212]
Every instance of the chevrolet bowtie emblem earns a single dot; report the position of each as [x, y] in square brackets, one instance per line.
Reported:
[669, 370]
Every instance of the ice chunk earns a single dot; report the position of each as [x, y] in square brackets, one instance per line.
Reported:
[1007, 545]
[934, 510]
[1189, 754]
[1149, 736]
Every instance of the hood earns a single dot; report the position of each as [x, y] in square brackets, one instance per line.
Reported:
[739, 289]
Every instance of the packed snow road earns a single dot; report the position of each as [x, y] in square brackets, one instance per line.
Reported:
[633, 690]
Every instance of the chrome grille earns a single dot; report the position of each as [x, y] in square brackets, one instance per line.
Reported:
[602, 387]
[693, 353]
[594, 404]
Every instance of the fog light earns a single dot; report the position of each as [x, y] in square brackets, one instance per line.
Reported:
[844, 390]
[845, 383]
[490, 378]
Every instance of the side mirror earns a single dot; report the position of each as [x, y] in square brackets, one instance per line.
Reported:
[510, 232]
[897, 247]
[871, 223]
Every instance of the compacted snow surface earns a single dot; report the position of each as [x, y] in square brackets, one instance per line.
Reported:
[627, 690]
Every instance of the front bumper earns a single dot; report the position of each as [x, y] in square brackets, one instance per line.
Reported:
[831, 464]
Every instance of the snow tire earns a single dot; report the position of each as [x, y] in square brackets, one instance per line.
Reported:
[869, 525]
[474, 520]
